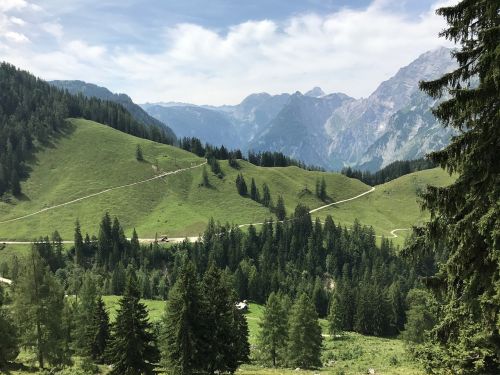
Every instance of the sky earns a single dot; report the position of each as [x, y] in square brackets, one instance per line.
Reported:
[218, 51]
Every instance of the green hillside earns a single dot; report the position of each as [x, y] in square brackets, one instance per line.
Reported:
[96, 157]
[392, 205]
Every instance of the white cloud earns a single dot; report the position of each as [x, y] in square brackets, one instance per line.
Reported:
[53, 28]
[15, 37]
[7, 5]
[350, 51]
[17, 21]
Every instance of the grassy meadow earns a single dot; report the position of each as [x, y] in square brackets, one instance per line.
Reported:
[94, 157]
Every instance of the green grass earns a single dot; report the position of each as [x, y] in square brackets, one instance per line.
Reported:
[351, 354]
[392, 205]
[95, 157]
[155, 308]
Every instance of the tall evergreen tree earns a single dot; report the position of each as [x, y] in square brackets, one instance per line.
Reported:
[466, 214]
[132, 348]
[266, 196]
[254, 191]
[9, 345]
[100, 331]
[38, 310]
[182, 343]
[273, 335]
[280, 208]
[304, 334]
[79, 245]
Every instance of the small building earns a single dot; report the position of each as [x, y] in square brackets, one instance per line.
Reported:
[242, 306]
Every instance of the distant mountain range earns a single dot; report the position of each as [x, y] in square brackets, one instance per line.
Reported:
[329, 130]
[332, 131]
[91, 90]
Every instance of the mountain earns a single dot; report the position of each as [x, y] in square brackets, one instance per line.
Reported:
[315, 92]
[334, 130]
[91, 90]
[396, 103]
[298, 129]
[193, 121]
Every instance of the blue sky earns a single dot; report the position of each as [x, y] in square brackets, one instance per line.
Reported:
[219, 51]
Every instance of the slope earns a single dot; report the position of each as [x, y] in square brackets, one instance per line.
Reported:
[392, 205]
[91, 90]
[96, 157]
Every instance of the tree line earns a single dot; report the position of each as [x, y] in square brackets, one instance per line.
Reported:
[390, 172]
[32, 112]
[261, 159]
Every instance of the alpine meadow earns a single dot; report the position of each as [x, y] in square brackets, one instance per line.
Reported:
[241, 219]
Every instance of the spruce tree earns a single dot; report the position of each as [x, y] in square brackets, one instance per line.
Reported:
[322, 190]
[138, 153]
[84, 334]
[335, 315]
[38, 310]
[266, 196]
[465, 215]
[280, 209]
[79, 245]
[9, 344]
[132, 348]
[182, 342]
[254, 191]
[100, 331]
[304, 335]
[273, 335]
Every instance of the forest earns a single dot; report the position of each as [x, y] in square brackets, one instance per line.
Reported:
[33, 113]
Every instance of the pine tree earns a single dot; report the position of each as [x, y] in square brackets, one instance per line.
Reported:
[465, 215]
[266, 196]
[254, 191]
[223, 339]
[273, 335]
[335, 315]
[132, 348]
[100, 331]
[83, 316]
[241, 185]
[138, 153]
[322, 190]
[9, 344]
[38, 310]
[304, 335]
[280, 209]
[79, 245]
[182, 342]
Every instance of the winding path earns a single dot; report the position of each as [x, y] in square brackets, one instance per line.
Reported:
[161, 175]
[172, 239]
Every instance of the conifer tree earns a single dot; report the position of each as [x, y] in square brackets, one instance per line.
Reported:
[138, 153]
[79, 245]
[132, 348]
[465, 215]
[266, 196]
[304, 335]
[182, 343]
[280, 208]
[9, 345]
[335, 315]
[241, 185]
[100, 331]
[273, 335]
[38, 310]
[254, 191]
[84, 334]
[322, 190]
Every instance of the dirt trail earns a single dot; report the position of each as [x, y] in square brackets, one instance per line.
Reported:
[102, 192]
